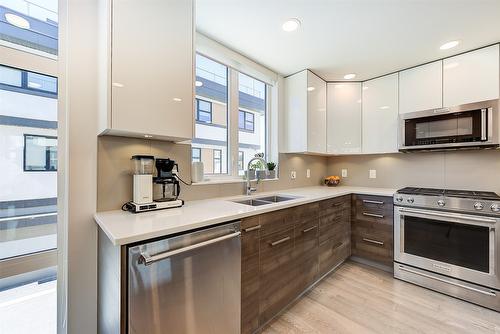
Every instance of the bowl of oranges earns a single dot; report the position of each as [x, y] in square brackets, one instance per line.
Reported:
[332, 181]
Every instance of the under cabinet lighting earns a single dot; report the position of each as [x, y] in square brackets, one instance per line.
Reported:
[349, 76]
[148, 136]
[449, 45]
[17, 21]
[291, 25]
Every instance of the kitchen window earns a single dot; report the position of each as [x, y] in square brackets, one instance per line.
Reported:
[40, 153]
[229, 130]
[203, 111]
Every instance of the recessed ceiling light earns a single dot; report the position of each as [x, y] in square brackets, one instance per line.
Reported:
[384, 107]
[349, 76]
[17, 21]
[198, 83]
[449, 45]
[148, 136]
[310, 88]
[176, 99]
[291, 25]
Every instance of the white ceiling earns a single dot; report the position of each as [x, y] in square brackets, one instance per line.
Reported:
[366, 37]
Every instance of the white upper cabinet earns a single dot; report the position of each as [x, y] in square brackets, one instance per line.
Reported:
[421, 88]
[151, 69]
[343, 118]
[471, 77]
[380, 115]
[305, 113]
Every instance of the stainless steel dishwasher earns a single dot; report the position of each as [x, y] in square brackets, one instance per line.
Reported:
[188, 283]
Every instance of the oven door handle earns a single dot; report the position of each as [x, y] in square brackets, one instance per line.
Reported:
[447, 215]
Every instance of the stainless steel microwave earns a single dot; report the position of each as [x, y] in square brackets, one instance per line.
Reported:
[474, 125]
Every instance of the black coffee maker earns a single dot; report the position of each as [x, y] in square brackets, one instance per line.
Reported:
[167, 178]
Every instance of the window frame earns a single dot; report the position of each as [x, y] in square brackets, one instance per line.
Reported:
[47, 159]
[198, 100]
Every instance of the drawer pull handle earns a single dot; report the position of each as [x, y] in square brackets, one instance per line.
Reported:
[373, 202]
[309, 229]
[372, 215]
[376, 242]
[253, 228]
[277, 242]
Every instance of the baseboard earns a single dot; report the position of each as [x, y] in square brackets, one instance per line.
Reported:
[372, 264]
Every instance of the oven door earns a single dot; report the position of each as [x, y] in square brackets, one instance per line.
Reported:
[456, 245]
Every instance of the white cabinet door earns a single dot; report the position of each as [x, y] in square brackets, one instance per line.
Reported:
[421, 88]
[152, 67]
[471, 77]
[380, 115]
[343, 118]
[316, 114]
[295, 113]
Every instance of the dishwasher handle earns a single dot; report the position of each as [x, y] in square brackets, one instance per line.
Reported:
[147, 259]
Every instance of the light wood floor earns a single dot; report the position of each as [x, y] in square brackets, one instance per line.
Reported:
[360, 299]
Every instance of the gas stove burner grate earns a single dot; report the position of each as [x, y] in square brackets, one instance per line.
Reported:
[450, 193]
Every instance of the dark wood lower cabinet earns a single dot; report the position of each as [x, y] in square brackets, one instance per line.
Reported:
[284, 252]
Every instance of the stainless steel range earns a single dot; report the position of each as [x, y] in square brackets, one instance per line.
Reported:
[449, 241]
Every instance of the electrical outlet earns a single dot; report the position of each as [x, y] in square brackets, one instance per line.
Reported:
[293, 175]
[344, 172]
[372, 174]
[308, 173]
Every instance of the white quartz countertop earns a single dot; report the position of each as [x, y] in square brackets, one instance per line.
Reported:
[123, 227]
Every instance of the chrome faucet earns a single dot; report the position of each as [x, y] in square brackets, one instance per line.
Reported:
[258, 157]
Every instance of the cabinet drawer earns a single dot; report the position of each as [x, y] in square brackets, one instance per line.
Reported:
[372, 203]
[335, 206]
[331, 253]
[306, 212]
[337, 227]
[277, 273]
[276, 221]
[373, 246]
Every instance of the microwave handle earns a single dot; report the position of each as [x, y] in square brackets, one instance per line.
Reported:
[484, 130]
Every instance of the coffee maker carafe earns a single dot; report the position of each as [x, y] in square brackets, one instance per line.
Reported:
[167, 178]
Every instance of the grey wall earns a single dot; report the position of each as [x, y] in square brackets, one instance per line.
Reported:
[114, 169]
[474, 169]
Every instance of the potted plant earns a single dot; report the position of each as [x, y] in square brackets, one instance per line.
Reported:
[271, 167]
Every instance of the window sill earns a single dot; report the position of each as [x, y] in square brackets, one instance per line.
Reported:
[228, 181]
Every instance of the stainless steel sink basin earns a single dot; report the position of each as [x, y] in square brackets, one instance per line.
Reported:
[252, 202]
[275, 199]
[265, 200]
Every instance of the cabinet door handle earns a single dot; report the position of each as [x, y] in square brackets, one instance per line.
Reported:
[372, 202]
[277, 242]
[309, 229]
[253, 228]
[372, 215]
[376, 242]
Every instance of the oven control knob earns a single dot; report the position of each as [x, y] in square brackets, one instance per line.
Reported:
[495, 207]
[478, 206]
[441, 202]
[399, 198]
[410, 200]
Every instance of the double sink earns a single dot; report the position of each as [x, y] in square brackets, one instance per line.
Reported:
[265, 200]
